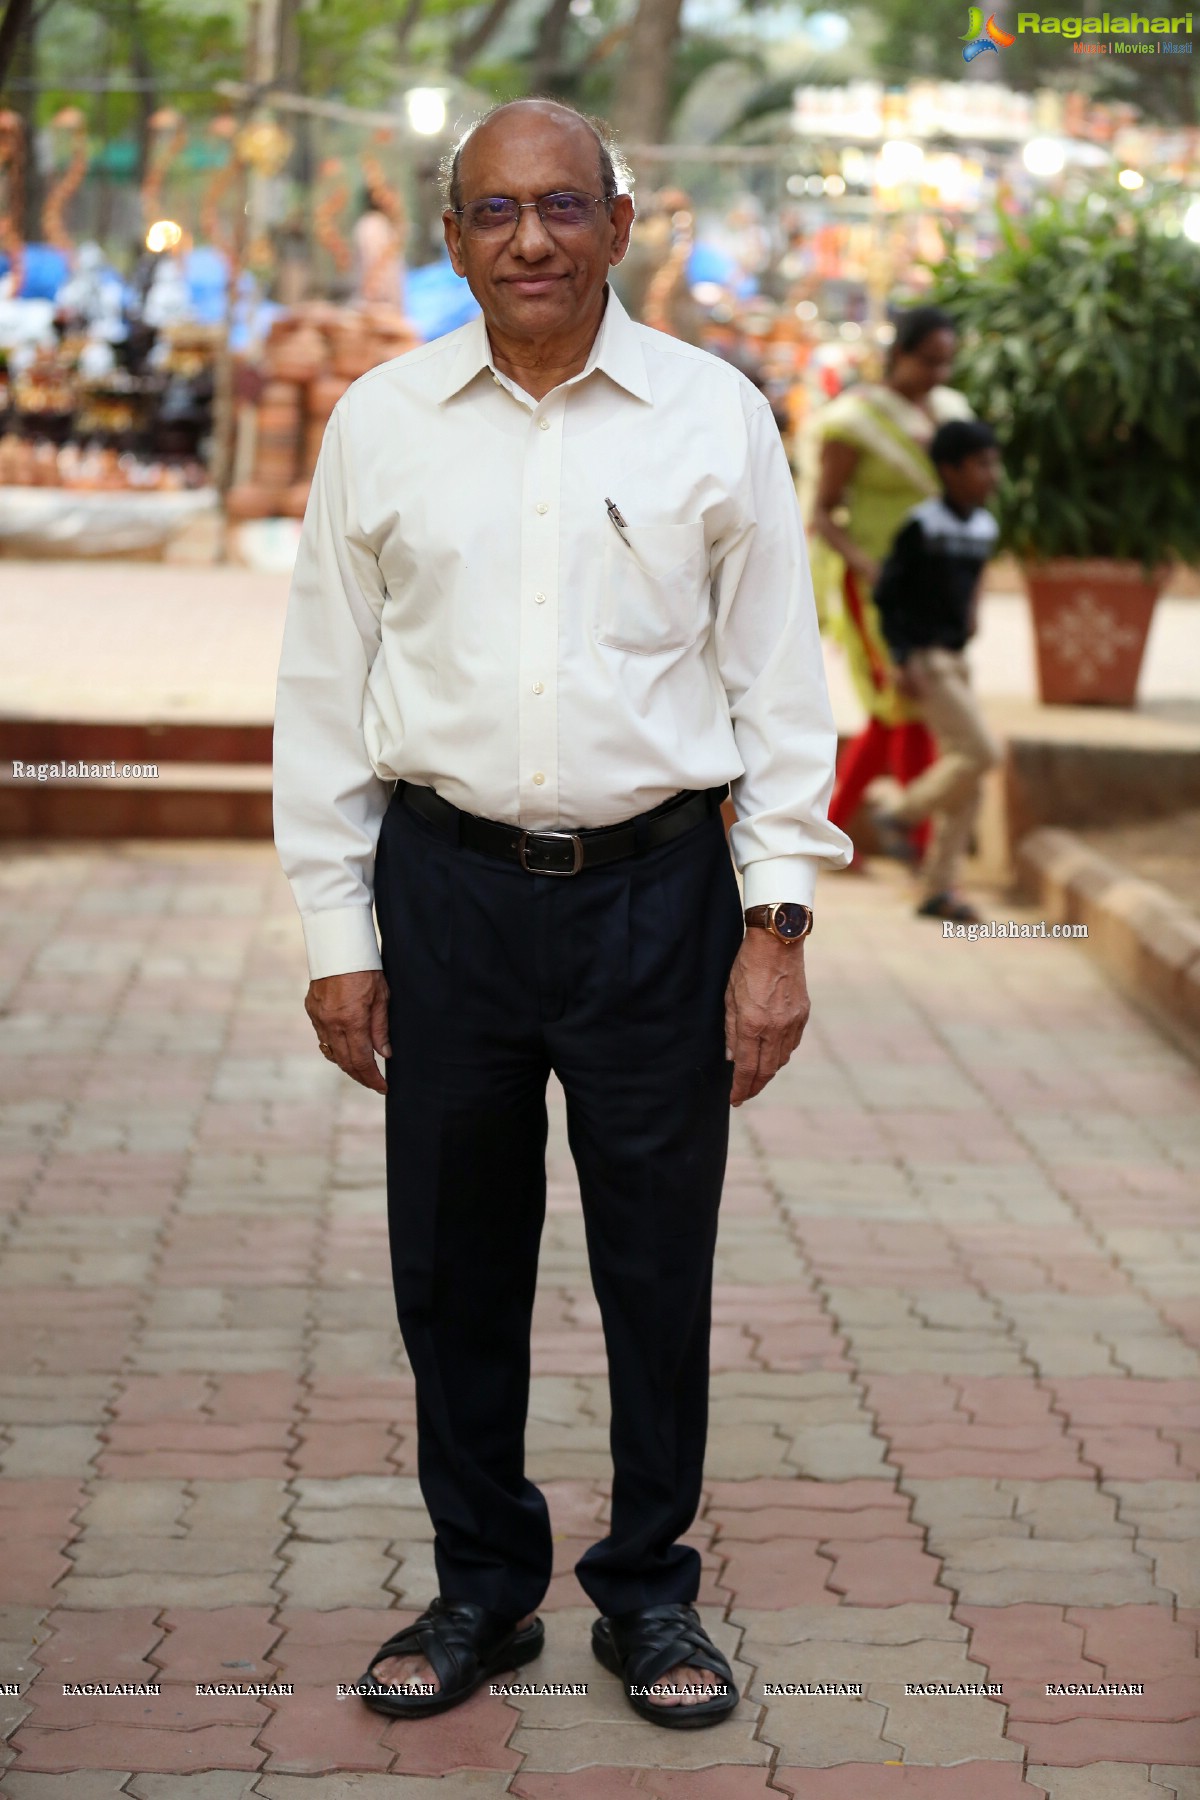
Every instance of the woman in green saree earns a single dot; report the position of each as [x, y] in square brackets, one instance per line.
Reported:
[873, 469]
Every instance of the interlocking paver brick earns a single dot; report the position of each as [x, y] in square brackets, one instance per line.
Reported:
[1000, 1571]
[86, 1784]
[1099, 1781]
[34, 1451]
[353, 1572]
[229, 1643]
[90, 1646]
[101, 1745]
[468, 1784]
[1183, 1783]
[723, 1783]
[912, 1623]
[1080, 1742]
[211, 1784]
[981, 1780]
[943, 1730]
[151, 1508]
[1135, 1643]
[1175, 1569]
[828, 1730]
[1161, 1509]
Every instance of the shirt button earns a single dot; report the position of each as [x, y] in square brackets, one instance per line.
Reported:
[538, 779]
[543, 506]
[543, 424]
[539, 599]
[539, 687]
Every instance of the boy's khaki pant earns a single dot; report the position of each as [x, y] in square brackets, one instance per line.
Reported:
[948, 791]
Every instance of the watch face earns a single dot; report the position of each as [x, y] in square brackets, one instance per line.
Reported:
[790, 919]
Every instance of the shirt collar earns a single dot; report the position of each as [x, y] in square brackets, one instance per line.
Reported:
[616, 352]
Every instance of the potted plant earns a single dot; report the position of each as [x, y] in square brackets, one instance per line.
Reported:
[1081, 347]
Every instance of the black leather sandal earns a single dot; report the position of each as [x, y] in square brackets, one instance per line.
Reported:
[463, 1644]
[641, 1646]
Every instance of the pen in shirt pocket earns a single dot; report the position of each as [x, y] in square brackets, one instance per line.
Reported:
[614, 513]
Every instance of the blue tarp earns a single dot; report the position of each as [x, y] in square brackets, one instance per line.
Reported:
[708, 262]
[437, 300]
[43, 272]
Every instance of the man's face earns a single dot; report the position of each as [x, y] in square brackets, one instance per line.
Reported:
[534, 281]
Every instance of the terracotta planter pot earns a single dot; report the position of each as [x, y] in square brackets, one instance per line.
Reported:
[324, 394]
[1091, 618]
[252, 500]
[295, 500]
[299, 357]
[282, 397]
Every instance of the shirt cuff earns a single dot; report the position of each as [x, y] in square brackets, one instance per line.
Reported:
[340, 942]
[780, 878]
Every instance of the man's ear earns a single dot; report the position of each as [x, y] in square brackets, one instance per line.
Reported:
[622, 218]
[451, 233]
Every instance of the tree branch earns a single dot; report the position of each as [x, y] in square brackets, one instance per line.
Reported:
[466, 48]
[642, 102]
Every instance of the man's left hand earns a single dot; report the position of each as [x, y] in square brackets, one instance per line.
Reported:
[766, 1010]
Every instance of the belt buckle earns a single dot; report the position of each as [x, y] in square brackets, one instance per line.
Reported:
[564, 837]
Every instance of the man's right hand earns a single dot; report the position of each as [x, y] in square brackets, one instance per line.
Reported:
[350, 1015]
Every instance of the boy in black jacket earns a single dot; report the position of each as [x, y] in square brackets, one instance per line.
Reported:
[926, 597]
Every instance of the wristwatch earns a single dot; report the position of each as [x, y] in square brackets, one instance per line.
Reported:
[787, 919]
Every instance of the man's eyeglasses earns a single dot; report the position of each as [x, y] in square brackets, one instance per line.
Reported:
[558, 212]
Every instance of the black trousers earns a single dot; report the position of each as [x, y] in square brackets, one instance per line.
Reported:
[614, 979]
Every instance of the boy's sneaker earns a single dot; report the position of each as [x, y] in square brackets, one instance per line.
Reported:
[948, 906]
[892, 836]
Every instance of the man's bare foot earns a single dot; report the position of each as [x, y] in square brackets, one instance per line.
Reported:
[414, 1672]
[683, 1686]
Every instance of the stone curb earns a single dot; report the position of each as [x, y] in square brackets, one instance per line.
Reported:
[1146, 939]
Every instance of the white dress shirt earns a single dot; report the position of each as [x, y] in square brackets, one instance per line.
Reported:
[466, 615]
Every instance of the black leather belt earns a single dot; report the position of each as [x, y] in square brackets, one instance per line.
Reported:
[563, 852]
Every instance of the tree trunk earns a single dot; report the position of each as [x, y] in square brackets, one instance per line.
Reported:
[147, 103]
[404, 25]
[547, 72]
[642, 104]
[22, 66]
[13, 26]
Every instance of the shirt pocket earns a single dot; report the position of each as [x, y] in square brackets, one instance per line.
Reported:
[655, 589]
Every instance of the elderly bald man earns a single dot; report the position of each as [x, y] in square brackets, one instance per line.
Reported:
[551, 600]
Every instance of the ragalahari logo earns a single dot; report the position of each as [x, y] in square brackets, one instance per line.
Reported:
[984, 37]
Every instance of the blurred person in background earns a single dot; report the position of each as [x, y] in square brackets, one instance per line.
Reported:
[926, 596]
[874, 467]
[377, 249]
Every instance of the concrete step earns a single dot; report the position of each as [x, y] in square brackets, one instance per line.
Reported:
[49, 740]
[182, 800]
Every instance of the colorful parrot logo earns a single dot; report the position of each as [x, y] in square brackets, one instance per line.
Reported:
[983, 37]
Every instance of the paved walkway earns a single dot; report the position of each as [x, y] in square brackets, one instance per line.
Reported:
[956, 1426]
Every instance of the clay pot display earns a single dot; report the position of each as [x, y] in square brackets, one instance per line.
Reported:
[311, 358]
[298, 354]
[294, 500]
[1091, 619]
[252, 501]
[353, 351]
